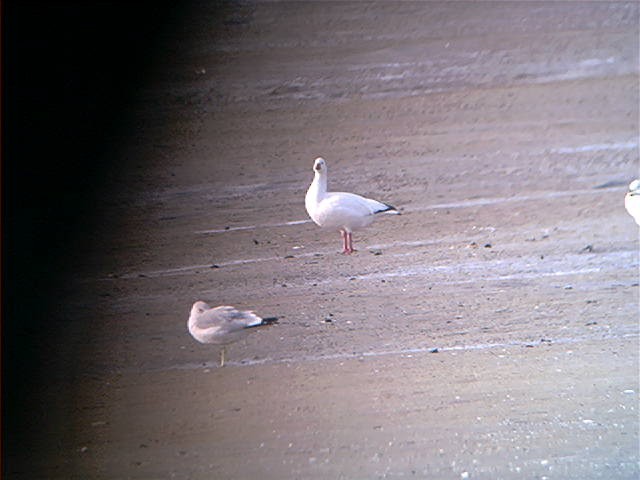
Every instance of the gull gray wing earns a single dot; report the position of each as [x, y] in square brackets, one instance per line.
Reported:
[227, 319]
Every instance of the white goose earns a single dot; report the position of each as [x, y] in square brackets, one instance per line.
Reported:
[342, 211]
[222, 325]
[632, 200]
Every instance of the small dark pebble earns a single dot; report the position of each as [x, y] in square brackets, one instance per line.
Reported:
[289, 256]
[215, 266]
[545, 340]
[528, 345]
[142, 275]
[352, 278]
[487, 245]
[256, 241]
[376, 252]
[434, 350]
[588, 248]
[227, 227]
[588, 324]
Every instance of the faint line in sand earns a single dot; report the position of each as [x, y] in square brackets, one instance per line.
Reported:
[251, 227]
[596, 147]
[207, 266]
[478, 202]
[406, 352]
[401, 272]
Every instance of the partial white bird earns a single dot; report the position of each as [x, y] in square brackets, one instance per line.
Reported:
[342, 211]
[632, 200]
[222, 325]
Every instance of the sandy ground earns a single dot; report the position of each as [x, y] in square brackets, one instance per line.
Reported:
[490, 331]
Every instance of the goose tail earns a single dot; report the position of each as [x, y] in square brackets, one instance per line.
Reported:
[386, 208]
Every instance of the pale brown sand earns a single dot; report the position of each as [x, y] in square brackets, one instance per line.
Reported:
[490, 125]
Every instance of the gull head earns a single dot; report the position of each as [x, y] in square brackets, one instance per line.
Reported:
[634, 187]
[319, 165]
[199, 307]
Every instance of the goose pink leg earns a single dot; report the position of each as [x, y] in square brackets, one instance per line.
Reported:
[350, 242]
[345, 245]
[347, 242]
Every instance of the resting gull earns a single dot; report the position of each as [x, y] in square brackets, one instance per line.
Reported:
[632, 200]
[342, 211]
[222, 325]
